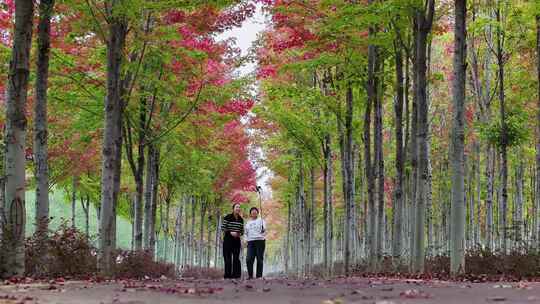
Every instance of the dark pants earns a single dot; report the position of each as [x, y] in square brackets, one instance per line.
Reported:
[231, 257]
[255, 249]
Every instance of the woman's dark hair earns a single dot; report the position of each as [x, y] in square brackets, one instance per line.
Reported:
[253, 208]
[234, 205]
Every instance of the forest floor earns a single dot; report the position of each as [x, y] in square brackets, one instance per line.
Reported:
[271, 291]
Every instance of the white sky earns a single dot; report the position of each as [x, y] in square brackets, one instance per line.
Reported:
[245, 36]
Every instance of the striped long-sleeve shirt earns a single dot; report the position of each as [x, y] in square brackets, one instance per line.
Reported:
[232, 224]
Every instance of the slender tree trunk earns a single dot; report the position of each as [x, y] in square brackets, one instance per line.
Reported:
[155, 195]
[469, 200]
[423, 22]
[476, 222]
[379, 175]
[311, 242]
[113, 109]
[86, 209]
[458, 215]
[328, 235]
[301, 220]
[74, 201]
[166, 229]
[148, 198]
[286, 255]
[519, 237]
[178, 233]
[400, 159]
[372, 88]
[15, 132]
[349, 178]
[192, 233]
[217, 238]
[201, 232]
[536, 229]
[504, 156]
[46, 8]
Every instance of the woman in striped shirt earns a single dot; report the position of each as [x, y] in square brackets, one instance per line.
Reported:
[233, 228]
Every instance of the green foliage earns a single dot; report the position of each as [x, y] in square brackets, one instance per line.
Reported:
[514, 134]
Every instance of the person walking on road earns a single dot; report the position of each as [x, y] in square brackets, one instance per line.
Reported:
[233, 229]
[256, 242]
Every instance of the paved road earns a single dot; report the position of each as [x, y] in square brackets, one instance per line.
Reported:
[273, 291]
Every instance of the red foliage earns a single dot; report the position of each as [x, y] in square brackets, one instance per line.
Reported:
[139, 264]
[7, 11]
[67, 252]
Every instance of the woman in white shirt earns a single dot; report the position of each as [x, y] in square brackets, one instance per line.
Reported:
[255, 233]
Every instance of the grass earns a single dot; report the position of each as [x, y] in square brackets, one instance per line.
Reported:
[60, 210]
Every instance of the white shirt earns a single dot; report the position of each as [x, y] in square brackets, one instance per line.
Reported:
[255, 230]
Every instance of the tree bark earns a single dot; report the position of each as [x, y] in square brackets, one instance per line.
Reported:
[349, 178]
[201, 232]
[217, 237]
[113, 109]
[379, 174]
[74, 201]
[504, 156]
[148, 198]
[423, 23]
[154, 196]
[458, 215]
[536, 229]
[15, 132]
[400, 159]
[372, 88]
[46, 8]
[86, 209]
[328, 229]
[518, 205]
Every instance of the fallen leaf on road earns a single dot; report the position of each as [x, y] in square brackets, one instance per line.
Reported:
[414, 294]
[523, 285]
[496, 299]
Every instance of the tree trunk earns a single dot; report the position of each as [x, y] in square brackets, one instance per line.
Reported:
[457, 256]
[423, 22]
[201, 232]
[138, 208]
[148, 198]
[166, 229]
[518, 205]
[302, 222]
[372, 89]
[311, 241]
[86, 209]
[218, 237]
[328, 229]
[400, 159]
[504, 156]
[155, 195]
[349, 179]
[113, 109]
[379, 171]
[40, 115]
[476, 222]
[178, 233]
[74, 201]
[286, 256]
[536, 230]
[192, 233]
[15, 132]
